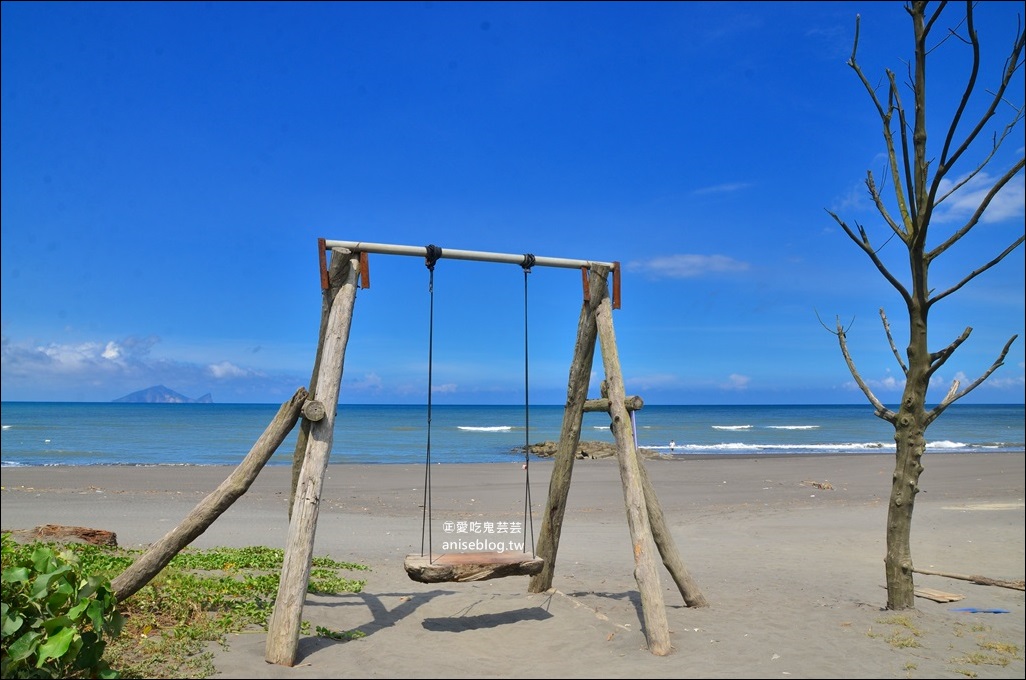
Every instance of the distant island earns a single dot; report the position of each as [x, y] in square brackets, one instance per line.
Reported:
[161, 395]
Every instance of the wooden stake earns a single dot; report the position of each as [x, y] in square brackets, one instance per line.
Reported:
[645, 572]
[569, 438]
[334, 279]
[689, 590]
[283, 626]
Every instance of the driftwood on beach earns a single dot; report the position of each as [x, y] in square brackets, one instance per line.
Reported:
[978, 580]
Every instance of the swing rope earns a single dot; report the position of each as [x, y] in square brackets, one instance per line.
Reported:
[434, 253]
[528, 517]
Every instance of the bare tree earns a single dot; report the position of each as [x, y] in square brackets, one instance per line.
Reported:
[921, 179]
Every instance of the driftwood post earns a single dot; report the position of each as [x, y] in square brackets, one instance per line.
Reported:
[336, 278]
[646, 574]
[569, 438]
[284, 624]
[689, 590]
[213, 506]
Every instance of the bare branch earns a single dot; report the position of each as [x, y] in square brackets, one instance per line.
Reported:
[862, 242]
[978, 213]
[881, 411]
[976, 272]
[830, 330]
[904, 194]
[938, 359]
[874, 193]
[890, 340]
[936, 15]
[952, 396]
[962, 104]
[908, 214]
[1012, 64]
[995, 145]
[885, 118]
[920, 159]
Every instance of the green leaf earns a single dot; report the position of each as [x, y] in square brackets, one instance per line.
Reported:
[25, 646]
[16, 575]
[11, 624]
[56, 646]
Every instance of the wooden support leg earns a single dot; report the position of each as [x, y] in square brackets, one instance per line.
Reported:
[569, 438]
[283, 626]
[645, 570]
[690, 591]
[336, 279]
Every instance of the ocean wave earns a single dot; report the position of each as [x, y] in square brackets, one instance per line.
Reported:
[740, 447]
[792, 427]
[946, 445]
[731, 427]
[492, 428]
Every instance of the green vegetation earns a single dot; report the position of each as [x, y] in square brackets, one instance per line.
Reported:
[200, 597]
[992, 654]
[904, 634]
[56, 620]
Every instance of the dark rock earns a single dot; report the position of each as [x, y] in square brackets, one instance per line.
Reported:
[587, 449]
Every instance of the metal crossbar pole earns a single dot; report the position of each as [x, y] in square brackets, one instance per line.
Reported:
[421, 251]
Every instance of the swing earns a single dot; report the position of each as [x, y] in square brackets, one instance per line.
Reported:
[429, 567]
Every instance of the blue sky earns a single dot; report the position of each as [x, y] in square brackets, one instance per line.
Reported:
[167, 169]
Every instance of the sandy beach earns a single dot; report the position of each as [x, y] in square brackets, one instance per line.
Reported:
[787, 550]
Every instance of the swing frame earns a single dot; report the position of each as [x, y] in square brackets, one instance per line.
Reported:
[649, 532]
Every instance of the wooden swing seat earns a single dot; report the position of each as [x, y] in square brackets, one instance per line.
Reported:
[474, 566]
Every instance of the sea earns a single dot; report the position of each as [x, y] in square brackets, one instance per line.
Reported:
[69, 434]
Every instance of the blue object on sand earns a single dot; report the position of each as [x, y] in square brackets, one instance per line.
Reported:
[977, 610]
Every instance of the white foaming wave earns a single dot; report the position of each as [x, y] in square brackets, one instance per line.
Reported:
[946, 445]
[495, 428]
[7, 427]
[731, 427]
[792, 427]
[755, 448]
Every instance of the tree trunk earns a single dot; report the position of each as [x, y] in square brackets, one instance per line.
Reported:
[210, 508]
[910, 445]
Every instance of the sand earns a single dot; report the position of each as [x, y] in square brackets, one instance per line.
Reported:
[787, 550]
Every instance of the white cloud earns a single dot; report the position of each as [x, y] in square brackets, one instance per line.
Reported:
[725, 188]
[226, 369]
[736, 381]
[687, 266]
[1011, 383]
[112, 351]
[649, 382]
[1008, 204]
[369, 382]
